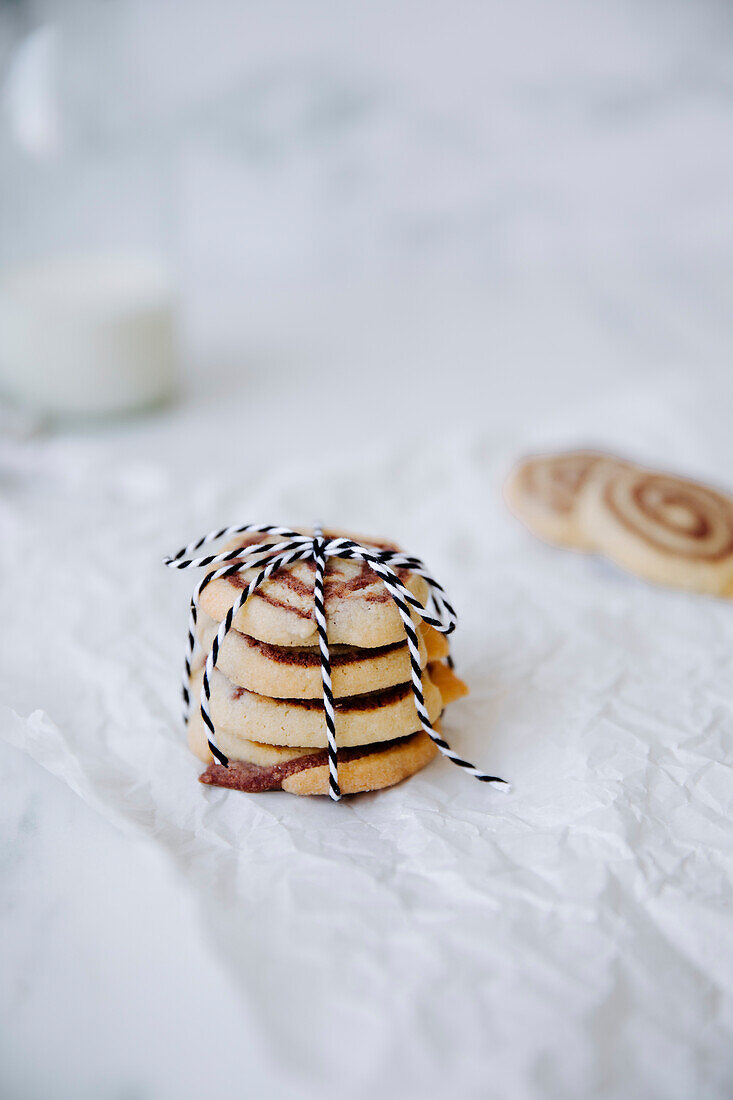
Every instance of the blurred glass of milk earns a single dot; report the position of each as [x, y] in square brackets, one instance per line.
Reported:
[87, 335]
[87, 301]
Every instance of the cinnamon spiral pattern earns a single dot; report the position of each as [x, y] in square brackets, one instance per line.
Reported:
[545, 492]
[667, 529]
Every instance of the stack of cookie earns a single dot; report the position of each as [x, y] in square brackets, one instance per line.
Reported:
[663, 527]
[267, 693]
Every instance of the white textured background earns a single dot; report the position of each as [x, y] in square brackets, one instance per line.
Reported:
[434, 235]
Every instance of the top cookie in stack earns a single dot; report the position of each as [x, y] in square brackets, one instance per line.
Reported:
[267, 693]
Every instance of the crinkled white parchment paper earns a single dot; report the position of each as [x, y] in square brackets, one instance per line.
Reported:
[570, 939]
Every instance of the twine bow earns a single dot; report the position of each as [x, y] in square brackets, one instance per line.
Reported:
[268, 557]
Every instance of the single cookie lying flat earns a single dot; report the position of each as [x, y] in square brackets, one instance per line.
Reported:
[666, 529]
[545, 493]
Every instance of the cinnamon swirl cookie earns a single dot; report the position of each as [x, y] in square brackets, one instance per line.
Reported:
[305, 770]
[545, 492]
[359, 609]
[294, 672]
[240, 714]
[665, 528]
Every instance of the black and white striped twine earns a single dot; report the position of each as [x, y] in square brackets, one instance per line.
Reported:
[269, 555]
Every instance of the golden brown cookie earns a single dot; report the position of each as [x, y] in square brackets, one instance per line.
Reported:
[450, 686]
[390, 765]
[359, 609]
[667, 529]
[383, 765]
[294, 672]
[545, 492]
[305, 771]
[239, 714]
[251, 752]
[437, 645]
